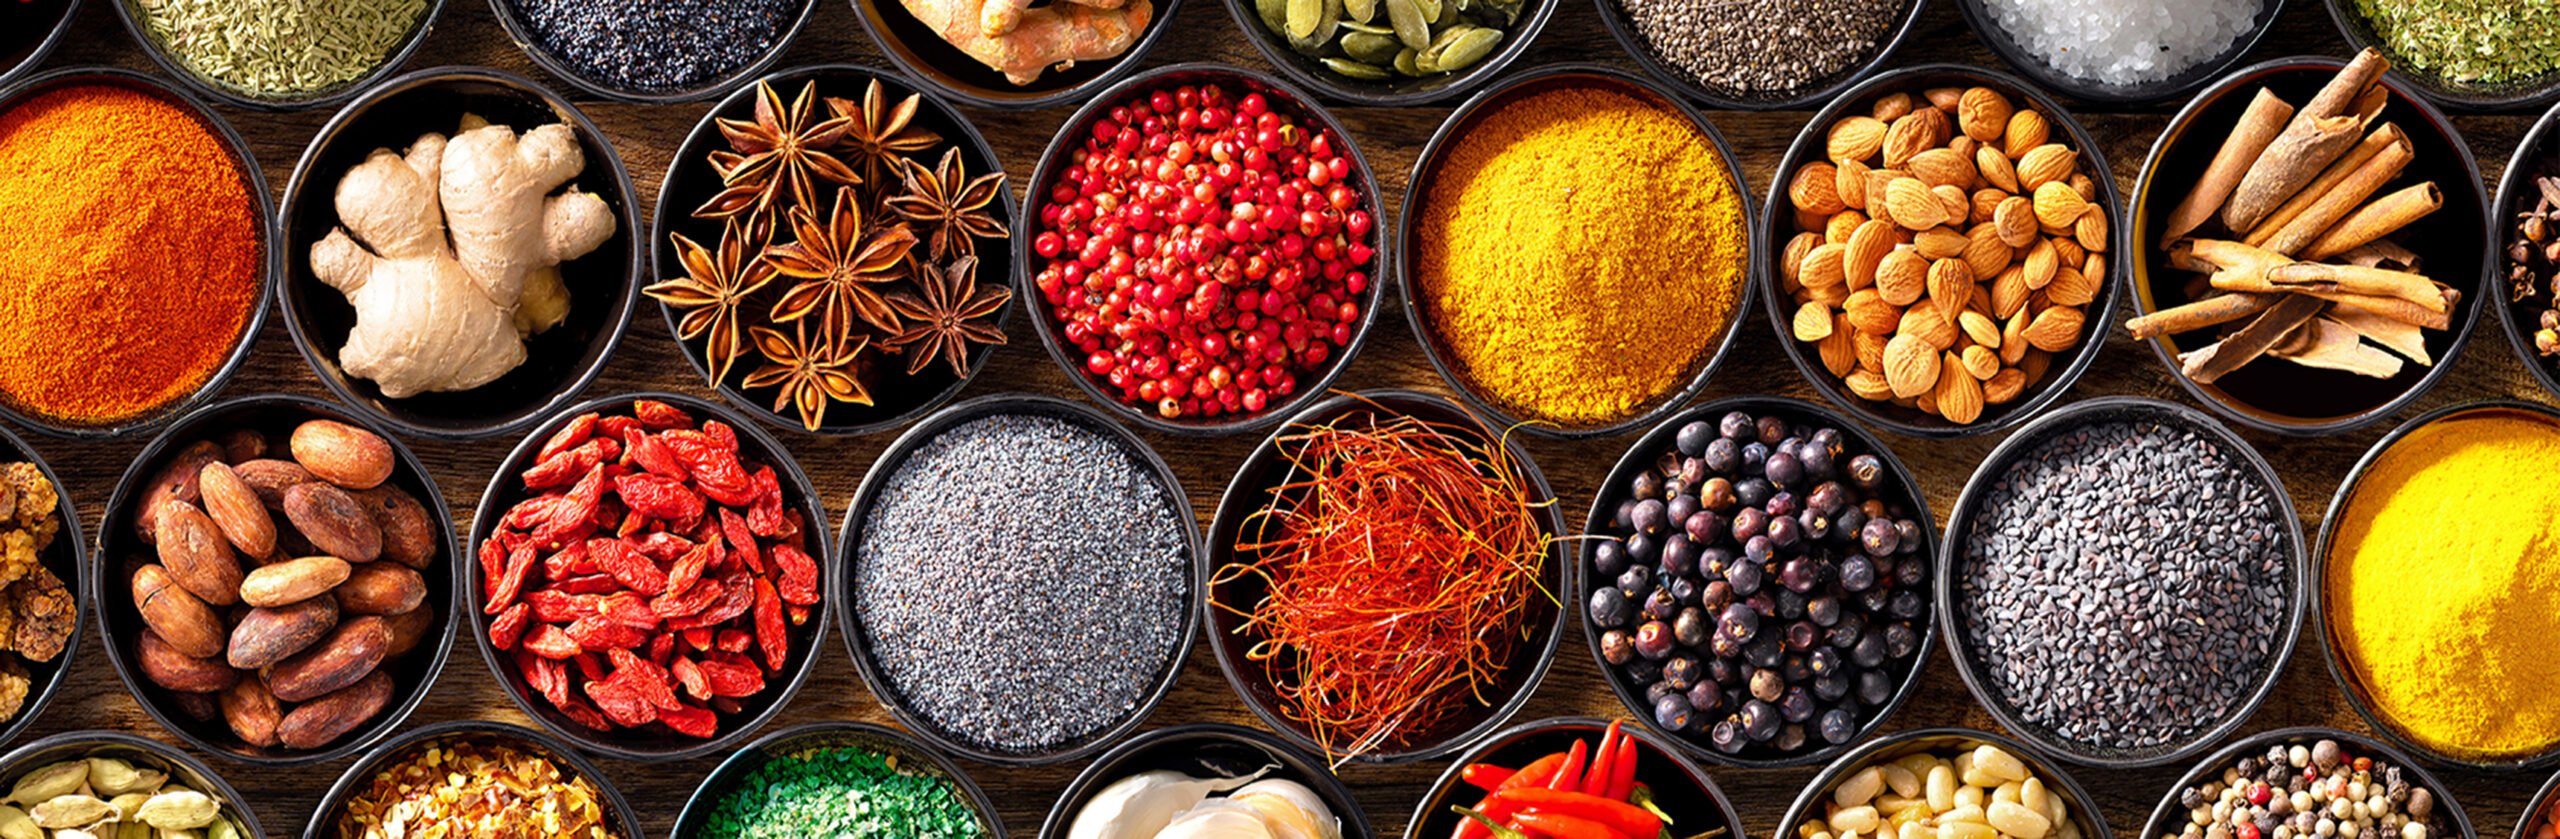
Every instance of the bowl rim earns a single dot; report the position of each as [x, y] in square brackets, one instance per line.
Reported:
[1450, 779]
[663, 211]
[2537, 807]
[1988, 29]
[172, 67]
[1994, 467]
[875, 480]
[57, 32]
[172, 756]
[2135, 272]
[2318, 564]
[929, 78]
[2211, 766]
[738, 762]
[617, 808]
[2050, 771]
[153, 454]
[304, 179]
[1326, 784]
[503, 494]
[2352, 27]
[1515, 43]
[1417, 191]
[1856, 75]
[2099, 314]
[271, 262]
[2515, 183]
[1061, 146]
[523, 36]
[1642, 453]
[81, 580]
[1238, 492]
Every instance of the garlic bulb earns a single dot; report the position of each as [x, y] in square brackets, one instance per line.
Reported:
[1219, 819]
[1291, 809]
[1141, 805]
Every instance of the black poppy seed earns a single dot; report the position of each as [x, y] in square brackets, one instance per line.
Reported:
[657, 45]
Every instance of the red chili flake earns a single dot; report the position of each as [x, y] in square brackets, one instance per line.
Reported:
[509, 627]
[550, 641]
[568, 437]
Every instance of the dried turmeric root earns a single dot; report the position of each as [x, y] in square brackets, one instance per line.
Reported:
[1034, 40]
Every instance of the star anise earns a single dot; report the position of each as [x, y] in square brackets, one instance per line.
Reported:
[715, 286]
[777, 160]
[881, 132]
[946, 201]
[838, 265]
[808, 375]
[944, 321]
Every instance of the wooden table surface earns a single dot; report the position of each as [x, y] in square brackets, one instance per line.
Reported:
[646, 135]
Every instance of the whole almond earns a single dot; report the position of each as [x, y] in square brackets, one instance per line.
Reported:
[1855, 138]
[333, 522]
[1910, 365]
[2058, 206]
[267, 636]
[2055, 329]
[342, 454]
[173, 481]
[2068, 252]
[2034, 364]
[1824, 267]
[2016, 221]
[252, 713]
[1984, 252]
[1980, 361]
[1980, 328]
[1812, 322]
[1902, 277]
[2070, 287]
[2039, 264]
[2094, 265]
[1868, 385]
[2004, 386]
[163, 664]
[1910, 204]
[2013, 336]
[1836, 229]
[1938, 243]
[1953, 201]
[269, 478]
[1914, 133]
[1814, 189]
[2091, 231]
[1963, 146]
[2027, 130]
[350, 652]
[196, 555]
[235, 508]
[2088, 189]
[317, 723]
[2045, 164]
[1791, 263]
[1983, 114]
[409, 533]
[1891, 106]
[1849, 180]
[294, 581]
[1924, 322]
[2009, 293]
[1838, 351]
[1868, 246]
[1986, 204]
[1869, 347]
[1950, 287]
[1878, 182]
[389, 588]
[1942, 167]
[1869, 312]
[1958, 394]
[1945, 99]
[1996, 169]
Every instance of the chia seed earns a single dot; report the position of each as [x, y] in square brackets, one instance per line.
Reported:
[657, 45]
[1021, 581]
[1762, 48]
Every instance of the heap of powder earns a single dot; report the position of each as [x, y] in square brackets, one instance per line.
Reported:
[2124, 43]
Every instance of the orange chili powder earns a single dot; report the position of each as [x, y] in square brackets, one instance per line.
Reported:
[132, 254]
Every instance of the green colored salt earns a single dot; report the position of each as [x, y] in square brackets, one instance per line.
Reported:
[2481, 42]
[843, 793]
[280, 48]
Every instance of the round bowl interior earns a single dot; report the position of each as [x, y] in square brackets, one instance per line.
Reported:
[1986, 25]
[1283, 98]
[1397, 91]
[1817, 91]
[68, 559]
[559, 362]
[618, 816]
[1252, 489]
[2168, 818]
[1208, 750]
[857, 636]
[690, 183]
[1684, 791]
[654, 742]
[121, 551]
[2519, 94]
[917, 49]
[1952, 563]
[2452, 244]
[511, 17]
[2537, 156]
[169, 63]
[1778, 227]
[40, 25]
[909, 754]
[1641, 456]
[181, 767]
[1944, 742]
[1451, 134]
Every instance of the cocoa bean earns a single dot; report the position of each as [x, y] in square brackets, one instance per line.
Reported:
[235, 508]
[201, 707]
[240, 445]
[181, 619]
[165, 666]
[193, 550]
[252, 712]
[270, 477]
[174, 481]
[409, 534]
[354, 649]
[293, 581]
[342, 454]
[408, 630]
[267, 636]
[317, 722]
[333, 521]
[381, 588]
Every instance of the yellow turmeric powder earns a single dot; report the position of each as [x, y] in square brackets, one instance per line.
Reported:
[2443, 585]
[1582, 249]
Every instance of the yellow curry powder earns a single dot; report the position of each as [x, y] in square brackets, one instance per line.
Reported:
[1582, 249]
[2443, 584]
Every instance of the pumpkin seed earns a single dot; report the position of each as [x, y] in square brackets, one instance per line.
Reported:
[1274, 14]
[1360, 10]
[1405, 62]
[1329, 14]
[1355, 69]
[1412, 26]
[1371, 48]
[1468, 48]
[1302, 18]
[1370, 28]
[1430, 9]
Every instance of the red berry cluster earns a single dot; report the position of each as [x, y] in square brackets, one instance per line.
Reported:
[1204, 252]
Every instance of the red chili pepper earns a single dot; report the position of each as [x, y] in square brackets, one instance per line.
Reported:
[1604, 762]
[1486, 776]
[1622, 774]
[1569, 776]
[1618, 815]
[1536, 774]
[1485, 822]
[1567, 827]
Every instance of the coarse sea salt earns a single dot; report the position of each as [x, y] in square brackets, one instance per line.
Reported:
[2124, 42]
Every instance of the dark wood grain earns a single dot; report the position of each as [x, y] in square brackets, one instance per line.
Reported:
[645, 135]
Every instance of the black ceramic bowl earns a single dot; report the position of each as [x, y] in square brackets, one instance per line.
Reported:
[2520, 95]
[1399, 91]
[1681, 788]
[522, 31]
[68, 559]
[925, 56]
[41, 26]
[1994, 471]
[618, 814]
[690, 183]
[652, 743]
[140, 751]
[2537, 156]
[1208, 750]
[256, 181]
[2455, 243]
[1641, 456]
[857, 637]
[171, 65]
[1821, 90]
[121, 550]
[1808, 804]
[1986, 25]
[1225, 604]
[910, 755]
[1284, 98]
[1777, 226]
[2349, 683]
[560, 361]
[2169, 818]
[1410, 231]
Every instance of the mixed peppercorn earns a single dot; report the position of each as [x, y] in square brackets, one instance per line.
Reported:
[2297, 791]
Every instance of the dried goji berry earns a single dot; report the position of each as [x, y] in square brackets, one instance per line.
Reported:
[580, 713]
[569, 436]
[721, 435]
[694, 600]
[799, 583]
[493, 557]
[589, 583]
[742, 542]
[509, 626]
[689, 567]
[661, 546]
[733, 641]
[569, 561]
[621, 704]
[561, 468]
[715, 469]
[590, 665]
[764, 512]
[645, 678]
[627, 608]
[771, 636]
[799, 614]
[689, 676]
[653, 456]
[593, 632]
[739, 595]
[661, 498]
[729, 678]
[636, 572]
[661, 648]
[548, 677]
[617, 425]
[690, 721]
[697, 638]
[551, 605]
[550, 641]
[510, 581]
[659, 415]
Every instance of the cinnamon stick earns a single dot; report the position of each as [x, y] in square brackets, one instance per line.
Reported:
[2393, 334]
[2393, 308]
[2381, 138]
[2329, 345]
[2211, 311]
[2381, 253]
[2266, 116]
[2342, 199]
[2319, 134]
[2378, 219]
[2244, 268]
[2212, 363]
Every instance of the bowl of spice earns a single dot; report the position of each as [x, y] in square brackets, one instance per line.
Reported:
[393, 291]
[1388, 503]
[1099, 575]
[2121, 52]
[278, 55]
[1012, 55]
[2471, 55]
[795, 782]
[1581, 317]
[1576, 772]
[832, 248]
[1206, 779]
[187, 258]
[2310, 245]
[2527, 210]
[1759, 591]
[45, 560]
[1948, 266]
[1391, 54]
[2299, 782]
[473, 776]
[1950, 781]
[649, 583]
[2409, 658]
[2541, 820]
[654, 52]
[97, 783]
[2167, 512]
[1200, 308]
[1761, 55]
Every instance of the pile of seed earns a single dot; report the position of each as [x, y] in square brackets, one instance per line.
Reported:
[2125, 584]
[657, 45]
[279, 48]
[1763, 48]
[2318, 791]
[1021, 581]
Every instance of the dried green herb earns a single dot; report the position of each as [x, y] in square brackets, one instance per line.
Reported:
[841, 792]
[2484, 42]
[280, 48]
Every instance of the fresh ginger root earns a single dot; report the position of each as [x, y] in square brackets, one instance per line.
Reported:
[1000, 17]
[449, 253]
[1033, 40]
